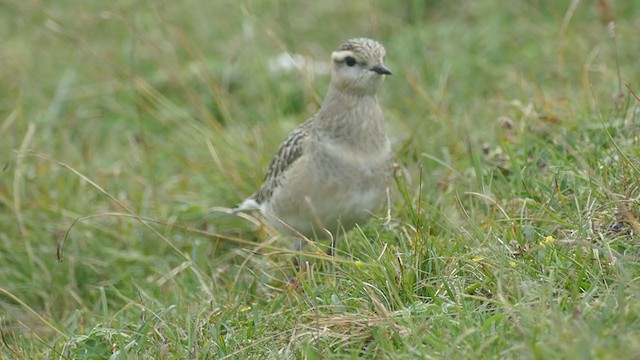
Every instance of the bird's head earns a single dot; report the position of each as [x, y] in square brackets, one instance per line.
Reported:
[358, 66]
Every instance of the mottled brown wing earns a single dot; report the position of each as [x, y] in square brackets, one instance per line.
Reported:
[290, 150]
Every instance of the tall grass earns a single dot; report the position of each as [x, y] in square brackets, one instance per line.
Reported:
[512, 231]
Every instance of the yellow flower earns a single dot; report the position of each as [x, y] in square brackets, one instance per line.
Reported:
[512, 263]
[548, 241]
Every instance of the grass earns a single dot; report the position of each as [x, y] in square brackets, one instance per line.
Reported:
[512, 234]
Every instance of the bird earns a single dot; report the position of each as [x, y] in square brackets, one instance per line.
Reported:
[334, 170]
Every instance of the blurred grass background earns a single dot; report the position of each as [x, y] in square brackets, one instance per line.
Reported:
[513, 235]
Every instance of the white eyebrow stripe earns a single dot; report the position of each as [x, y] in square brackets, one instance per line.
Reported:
[341, 55]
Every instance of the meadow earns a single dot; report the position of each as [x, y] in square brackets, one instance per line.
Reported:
[512, 230]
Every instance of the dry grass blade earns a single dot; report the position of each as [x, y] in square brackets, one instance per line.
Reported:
[33, 312]
[631, 91]
[120, 204]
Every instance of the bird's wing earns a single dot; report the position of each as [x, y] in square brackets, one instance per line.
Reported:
[290, 151]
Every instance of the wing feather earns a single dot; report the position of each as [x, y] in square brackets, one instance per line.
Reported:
[290, 151]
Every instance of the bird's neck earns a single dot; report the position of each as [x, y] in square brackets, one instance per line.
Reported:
[338, 98]
[352, 118]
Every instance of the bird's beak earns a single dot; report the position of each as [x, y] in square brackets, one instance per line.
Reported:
[381, 69]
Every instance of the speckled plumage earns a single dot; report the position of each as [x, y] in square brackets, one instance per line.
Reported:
[333, 171]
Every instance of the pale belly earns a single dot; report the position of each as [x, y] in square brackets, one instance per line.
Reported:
[342, 194]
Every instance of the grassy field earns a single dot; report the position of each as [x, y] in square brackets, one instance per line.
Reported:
[513, 231]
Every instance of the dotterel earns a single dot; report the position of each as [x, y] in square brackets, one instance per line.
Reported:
[333, 171]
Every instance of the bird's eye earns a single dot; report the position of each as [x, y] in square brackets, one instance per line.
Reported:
[350, 61]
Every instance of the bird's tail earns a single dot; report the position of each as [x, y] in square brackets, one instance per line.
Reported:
[247, 205]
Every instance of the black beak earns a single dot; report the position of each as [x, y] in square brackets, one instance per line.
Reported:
[381, 69]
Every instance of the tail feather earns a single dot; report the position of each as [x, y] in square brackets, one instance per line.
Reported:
[247, 205]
